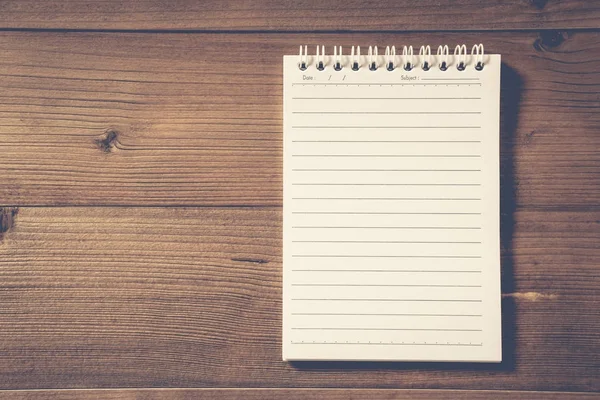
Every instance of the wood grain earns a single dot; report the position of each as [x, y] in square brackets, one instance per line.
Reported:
[171, 276]
[295, 15]
[196, 119]
[289, 394]
[101, 297]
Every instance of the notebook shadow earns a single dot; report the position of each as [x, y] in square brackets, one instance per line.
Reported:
[510, 98]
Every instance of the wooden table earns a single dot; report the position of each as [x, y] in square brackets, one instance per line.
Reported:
[141, 191]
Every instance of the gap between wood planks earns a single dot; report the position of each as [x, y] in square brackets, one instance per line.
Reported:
[292, 32]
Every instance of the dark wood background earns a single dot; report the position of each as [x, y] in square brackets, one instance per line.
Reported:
[141, 191]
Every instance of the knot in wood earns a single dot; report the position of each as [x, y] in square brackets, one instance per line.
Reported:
[548, 40]
[108, 141]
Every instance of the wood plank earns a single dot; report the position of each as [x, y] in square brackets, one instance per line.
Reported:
[291, 15]
[191, 297]
[196, 119]
[289, 394]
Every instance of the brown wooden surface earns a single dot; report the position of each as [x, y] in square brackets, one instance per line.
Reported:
[196, 119]
[140, 196]
[290, 394]
[143, 297]
[299, 15]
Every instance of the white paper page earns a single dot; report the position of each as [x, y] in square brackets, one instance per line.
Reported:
[391, 213]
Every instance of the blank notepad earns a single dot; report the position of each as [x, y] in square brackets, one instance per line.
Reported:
[391, 209]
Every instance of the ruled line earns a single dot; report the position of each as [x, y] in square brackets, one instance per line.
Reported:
[386, 141]
[383, 213]
[382, 127]
[386, 270]
[392, 155]
[380, 285]
[390, 198]
[407, 300]
[373, 256]
[377, 241]
[392, 344]
[385, 329]
[389, 112]
[449, 79]
[386, 227]
[385, 184]
[384, 170]
[382, 84]
[392, 315]
[386, 98]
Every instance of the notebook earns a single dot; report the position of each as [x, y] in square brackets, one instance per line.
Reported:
[391, 246]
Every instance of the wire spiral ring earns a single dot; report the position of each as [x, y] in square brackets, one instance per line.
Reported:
[460, 54]
[303, 59]
[443, 53]
[373, 58]
[407, 54]
[390, 58]
[477, 52]
[337, 59]
[425, 55]
[460, 57]
[355, 61]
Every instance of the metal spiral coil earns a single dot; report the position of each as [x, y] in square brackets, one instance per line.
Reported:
[460, 59]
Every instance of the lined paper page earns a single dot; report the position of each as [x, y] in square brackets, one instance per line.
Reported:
[391, 214]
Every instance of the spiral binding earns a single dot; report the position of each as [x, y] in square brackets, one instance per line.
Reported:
[460, 58]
